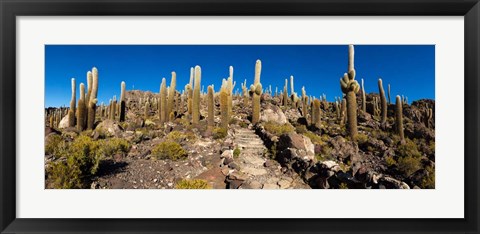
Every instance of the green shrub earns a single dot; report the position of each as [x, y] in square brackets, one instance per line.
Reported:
[316, 139]
[409, 149]
[361, 138]
[301, 129]
[114, 146]
[82, 159]
[236, 152]
[178, 136]
[408, 165]
[390, 161]
[169, 150]
[219, 133]
[278, 129]
[193, 184]
[343, 186]
[428, 182]
[243, 124]
[52, 143]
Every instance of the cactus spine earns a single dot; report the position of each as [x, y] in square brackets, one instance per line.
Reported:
[210, 106]
[364, 99]
[196, 96]
[92, 101]
[350, 87]
[383, 102]
[163, 101]
[122, 102]
[171, 95]
[81, 110]
[399, 118]
[71, 111]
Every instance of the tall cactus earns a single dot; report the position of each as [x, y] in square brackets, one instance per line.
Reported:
[304, 102]
[428, 116]
[245, 93]
[364, 99]
[171, 94]
[122, 102]
[257, 90]
[399, 118]
[163, 101]
[389, 101]
[350, 87]
[146, 110]
[92, 102]
[71, 111]
[230, 87]
[196, 96]
[316, 120]
[285, 93]
[81, 109]
[343, 112]
[224, 107]
[210, 106]
[113, 108]
[383, 102]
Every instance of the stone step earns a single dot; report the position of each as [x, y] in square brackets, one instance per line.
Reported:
[252, 144]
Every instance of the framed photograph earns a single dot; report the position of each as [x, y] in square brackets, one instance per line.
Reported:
[258, 116]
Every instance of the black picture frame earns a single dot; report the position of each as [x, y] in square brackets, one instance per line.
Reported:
[9, 9]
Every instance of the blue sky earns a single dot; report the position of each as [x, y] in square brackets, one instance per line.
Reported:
[409, 69]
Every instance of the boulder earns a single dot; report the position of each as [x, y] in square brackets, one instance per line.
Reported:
[109, 127]
[273, 114]
[296, 141]
[64, 122]
[341, 148]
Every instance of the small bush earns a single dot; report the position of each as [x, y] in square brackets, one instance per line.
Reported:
[219, 133]
[243, 124]
[114, 146]
[408, 165]
[51, 144]
[409, 149]
[236, 153]
[390, 161]
[428, 182]
[301, 129]
[178, 136]
[193, 184]
[278, 129]
[316, 139]
[169, 150]
[361, 138]
[82, 159]
[343, 186]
